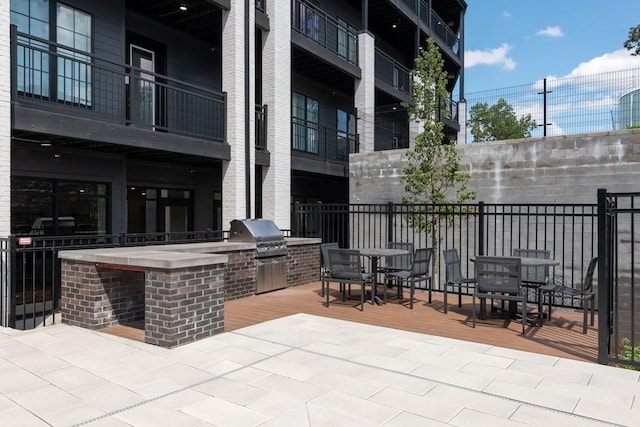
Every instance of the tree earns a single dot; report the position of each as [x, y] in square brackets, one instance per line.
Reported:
[433, 171]
[498, 122]
[633, 42]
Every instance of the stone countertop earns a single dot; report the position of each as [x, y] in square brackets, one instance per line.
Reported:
[166, 260]
[181, 255]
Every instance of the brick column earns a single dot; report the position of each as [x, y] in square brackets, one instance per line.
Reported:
[233, 83]
[365, 101]
[183, 305]
[5, 123]
[276, 84]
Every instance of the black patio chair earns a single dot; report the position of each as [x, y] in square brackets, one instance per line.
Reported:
[417, 272]
[586, 295]
[454, 277]
[500, 278]
[324, 270]
[534, 276]
[398, 262]
[345, 267]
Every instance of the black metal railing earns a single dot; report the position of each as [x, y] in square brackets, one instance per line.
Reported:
[618, 276]
[390, 71]
[317, 142]
[569, 231]
[440, 28]
[261, 127]
[55, 77]
[315, 24]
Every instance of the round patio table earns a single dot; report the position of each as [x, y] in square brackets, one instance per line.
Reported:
[375, 254]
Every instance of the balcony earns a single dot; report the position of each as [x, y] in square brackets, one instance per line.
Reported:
[314, 142]
[58, 79]
[439, 28]
[315, 25]
[392, 73]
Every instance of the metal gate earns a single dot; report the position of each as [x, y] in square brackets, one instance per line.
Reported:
[618, 274]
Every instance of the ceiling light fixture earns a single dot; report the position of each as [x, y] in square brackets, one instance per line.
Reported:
[183, 7]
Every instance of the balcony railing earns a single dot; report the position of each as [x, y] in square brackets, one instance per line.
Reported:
[310, 140]
[313, 23]
[261, 127]
[58, 78]
[440, 28]
[388, 70]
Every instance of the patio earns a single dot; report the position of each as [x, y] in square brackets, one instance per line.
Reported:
[561, 337]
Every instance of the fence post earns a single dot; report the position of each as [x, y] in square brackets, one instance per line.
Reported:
[390, 237]
[481, 228]
[319, 221]
[604, 283]
[122, 239]
[11, 298]
[295, 219]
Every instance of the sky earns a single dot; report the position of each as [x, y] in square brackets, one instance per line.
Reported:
[515, 42]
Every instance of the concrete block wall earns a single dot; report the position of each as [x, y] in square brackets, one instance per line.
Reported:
[562, 169]
[96, 298]
[303, 264]
[184, 305]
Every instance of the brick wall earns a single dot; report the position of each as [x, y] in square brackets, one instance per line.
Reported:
[184, 305]
[303, 264]
[240, 274]
[95, 298]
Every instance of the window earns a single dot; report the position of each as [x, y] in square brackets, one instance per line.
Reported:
[309, 22]
[73, 29]
[36, 64]
[347, 43]
[55, 207]
[32, 17]
[345, 131]
[305, 123]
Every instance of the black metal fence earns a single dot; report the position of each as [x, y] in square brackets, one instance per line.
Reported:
[570, 105]
[30, 269]
[619, 299]
[569, 231]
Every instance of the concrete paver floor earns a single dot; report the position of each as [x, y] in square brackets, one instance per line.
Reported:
[301, 370]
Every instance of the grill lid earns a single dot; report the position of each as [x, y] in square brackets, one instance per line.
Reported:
[254, 231]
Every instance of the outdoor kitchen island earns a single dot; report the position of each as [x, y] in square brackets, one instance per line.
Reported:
[178, 290]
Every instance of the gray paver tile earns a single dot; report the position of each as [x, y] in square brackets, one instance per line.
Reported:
[223, 413]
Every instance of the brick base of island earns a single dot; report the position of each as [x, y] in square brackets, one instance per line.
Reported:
[180, 296]
[178, 290]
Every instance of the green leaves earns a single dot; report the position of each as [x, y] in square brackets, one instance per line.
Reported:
[633, 41]
[498, 122]
[433, 170]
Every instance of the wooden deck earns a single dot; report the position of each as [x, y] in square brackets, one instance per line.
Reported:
[561, 337]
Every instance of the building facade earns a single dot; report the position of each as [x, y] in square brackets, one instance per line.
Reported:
[142, 116]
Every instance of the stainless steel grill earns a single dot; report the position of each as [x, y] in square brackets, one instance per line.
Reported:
[271, 251]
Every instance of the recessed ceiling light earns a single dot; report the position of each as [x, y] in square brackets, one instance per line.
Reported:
[183, 7]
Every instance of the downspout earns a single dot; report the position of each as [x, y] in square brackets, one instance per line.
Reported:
[247, 111]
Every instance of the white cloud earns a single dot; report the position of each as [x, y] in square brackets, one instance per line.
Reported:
[554, 31]
[496, 56]
[594, 69]
[506, 14]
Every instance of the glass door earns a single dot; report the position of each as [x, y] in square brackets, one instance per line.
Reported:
[142, 87]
